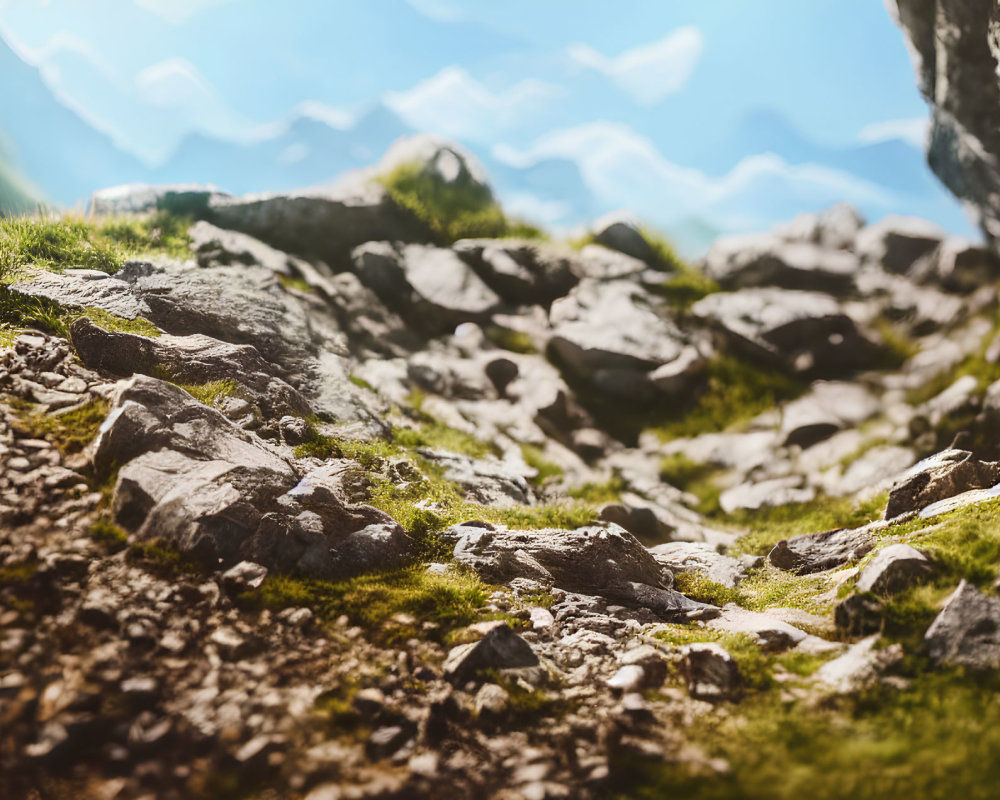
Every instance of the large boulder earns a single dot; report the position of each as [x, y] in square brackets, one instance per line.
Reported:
[738, 262]
[612, 335]
[967, 631]
[620, 232]
[191, 199]
[955, 51]
[605, 561]
[800, 331]
[943, 475]
[520, 271]
[189, 477]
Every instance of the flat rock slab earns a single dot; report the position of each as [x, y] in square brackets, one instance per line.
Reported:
[703, 559]
[815, 552]
[605, 561]
[859, 668]
[943, 475]
[770, 633]
[892, 569]
[967, 631]
[800, 331]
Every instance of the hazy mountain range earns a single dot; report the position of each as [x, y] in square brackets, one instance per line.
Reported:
[761, 172]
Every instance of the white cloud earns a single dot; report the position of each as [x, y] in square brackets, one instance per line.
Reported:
[648, 72]
[438, 10]
[453, 103]
[334, 117]
[625, 170]
[177, 11]
[913, 131]
[173, 83]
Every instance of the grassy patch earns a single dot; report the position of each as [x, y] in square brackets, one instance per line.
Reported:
[112, 322]
[21, 311]
[771, 524]
[459, 210]
[686, 287]
[70, 431]
[210, 393]
[934, 739]
[162, 558]
[438, 436]
[371, 601]
[511, 340]
[108, 534]
[60, 242]
[610, 491]
[534, 457]
[680, 471]
[736, 392]
[298, 284]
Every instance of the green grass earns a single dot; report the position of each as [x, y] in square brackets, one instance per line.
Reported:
[112, 322]
[686, 287]
[771, 524]
[460, 210]
[70, 431]
[513, 341]
[534, 457]
[438, 436]
[371, 601]
[210, 393]
[609, 491]
[60, 242]
[936, 739]
[162, 558]
[361, 383]
[680, 471]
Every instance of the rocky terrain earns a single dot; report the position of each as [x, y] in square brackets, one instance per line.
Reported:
[369, 491]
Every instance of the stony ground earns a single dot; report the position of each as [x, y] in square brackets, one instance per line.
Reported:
[382, 514]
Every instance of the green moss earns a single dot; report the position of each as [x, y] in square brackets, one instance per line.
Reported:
[934, 739]
[21, 311]
[371, 601]
[514, 341]
[210, 393]
[70, 431]
[163, 558]
[610, 491]
[112, 322]
[534, 457]
[698, 587]
[771, 524]
[736, 392]
[108, 534]
[458, 210]
[679, 470]
[298, 284]
[361, 383]
[686, 287]
[19, 571]
[664, 255]
[438, 436]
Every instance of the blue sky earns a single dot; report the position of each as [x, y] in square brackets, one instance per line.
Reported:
[732, 112]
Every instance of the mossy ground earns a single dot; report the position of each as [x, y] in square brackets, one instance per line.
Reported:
[70, 431]
[438, 604]
[460, 210]
[56, 243]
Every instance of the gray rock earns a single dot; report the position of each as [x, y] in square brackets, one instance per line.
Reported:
[499, 649]
[604, 561]
[740, 262]
[135, 198]
[815, 552]
[621, 233]
[858, 615]
[703, 559]
[190, 477]
[245, 576]
[484, 481]
[772, 492]
[769, 632]
[830, 406]
[611, 334]
[835, 228]
[943, 475]
[955, 51]
[710, 672]
[859, 668]
[958, 266]
[193, 359]
[892, 569]
[967, 630]
[800, 331]
[520, 272]
[897, 243]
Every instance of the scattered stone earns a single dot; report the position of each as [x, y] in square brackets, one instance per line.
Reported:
[892, 569]
[967, 630]
[859, 615]
[500, 649]
[711, 673]
[815, 552]
[943, 475]
[859, 668]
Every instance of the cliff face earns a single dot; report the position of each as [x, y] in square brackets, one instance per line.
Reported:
[956, 47]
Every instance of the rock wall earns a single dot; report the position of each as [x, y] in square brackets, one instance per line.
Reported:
[955, 46]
